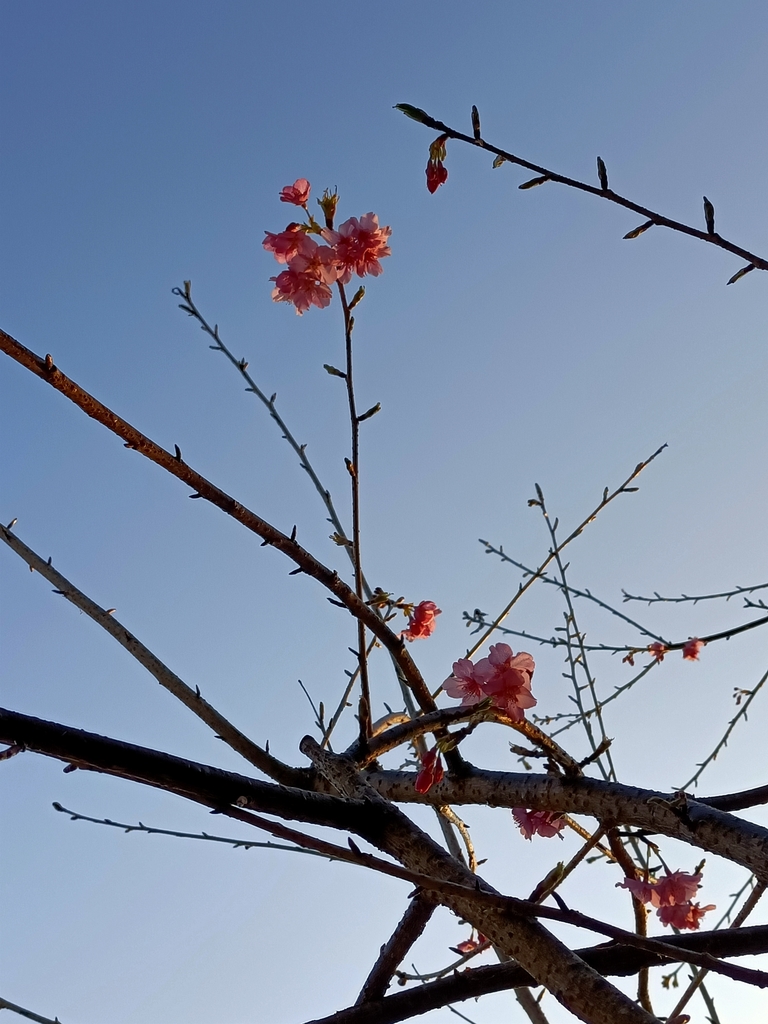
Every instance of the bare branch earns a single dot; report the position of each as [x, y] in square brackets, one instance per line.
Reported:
[650, 216]
[202, 488]
[607, 959]
[409, 928]
[190, 698]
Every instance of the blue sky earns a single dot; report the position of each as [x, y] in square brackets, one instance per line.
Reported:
[513, 338]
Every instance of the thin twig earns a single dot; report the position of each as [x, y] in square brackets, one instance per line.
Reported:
[607, 498]
[588, 595]
[237, 844]
[725, 594]
[649, 216]
[6, 1005]
[723, 742]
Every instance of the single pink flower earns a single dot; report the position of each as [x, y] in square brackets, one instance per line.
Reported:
[297, 193]
[683, 915]
[469, 945]
[289, 243]
[679, 887]
[508, 680]
[359, 245]
[464, 683]
[437, 175]
[692, 649]
[431, 771]
[658, 650]
[302, 289]
[423, 621]
[543, 823]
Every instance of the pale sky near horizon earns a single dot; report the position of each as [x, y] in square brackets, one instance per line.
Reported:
[513, 338]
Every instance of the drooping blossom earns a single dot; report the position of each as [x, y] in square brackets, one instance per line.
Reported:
[431, 771]
[503, 676]
[542, 823]
[319, 260]
[437, 174]
[297, 193]
[658, 650]
[302, 289]
[422, 622]
[359, 245]
[464, 683]
[289, 243]
[692, 649]
[642, 891]
[683, 915]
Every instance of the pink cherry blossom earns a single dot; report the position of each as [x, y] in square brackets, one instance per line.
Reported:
[692, 649]
[677, 887]
[658, 650]
[464, 683]
[437, 175]
[297, 193]
[683, 915]
[431, 771]
[642, 891]
[289, 243]
[543, 823]
[359, 245]
[302, 289]
[469, 945]
[508, 680]
[422, 622]
[320, 261]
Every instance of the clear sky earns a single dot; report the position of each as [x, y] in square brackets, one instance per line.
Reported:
[513, 338]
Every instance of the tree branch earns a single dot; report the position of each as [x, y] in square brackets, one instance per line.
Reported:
[202, 488]
[609, 959]
[409, 928]
[652, 218]
[190, 698]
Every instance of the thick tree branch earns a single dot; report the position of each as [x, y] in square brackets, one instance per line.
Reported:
[609, 959]
[190, 698]
[202, 488]
[409, 928]
[578, 987]
[671, 814]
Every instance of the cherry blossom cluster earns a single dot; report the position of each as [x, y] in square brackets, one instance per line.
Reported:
[672, 896]
[542, 823]
[311, 268]
[503, 676]
[422, 621]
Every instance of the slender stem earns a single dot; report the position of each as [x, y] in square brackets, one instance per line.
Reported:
[6, 1005]
[354, 471]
